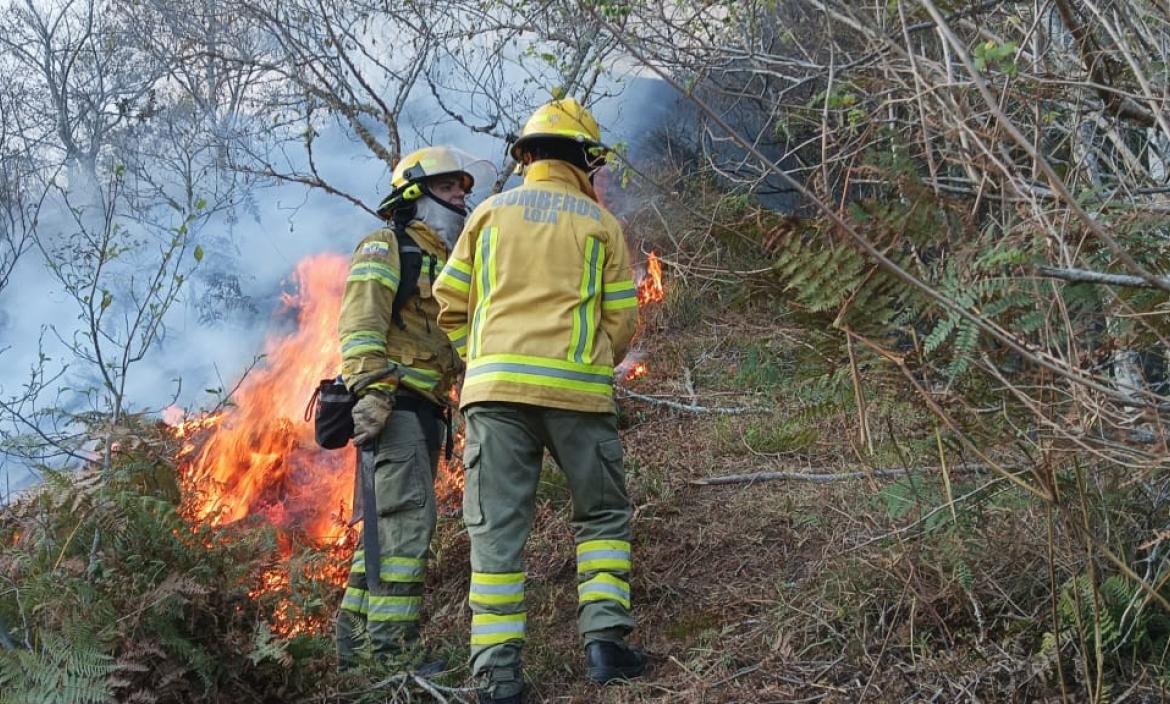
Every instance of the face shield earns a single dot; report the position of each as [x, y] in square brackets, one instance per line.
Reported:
[481, 172]
[446, 218]
[412, 173]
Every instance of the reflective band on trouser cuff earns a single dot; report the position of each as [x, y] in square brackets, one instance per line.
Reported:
[617, 295]
[490, 589]
[374, 271]
[584, 329]
[603, 556]
[493, 629]
[604, 587]
[356, 600]
[456, 275]
[394, 569]
[394, 608]
[362, 342]
[485, 283]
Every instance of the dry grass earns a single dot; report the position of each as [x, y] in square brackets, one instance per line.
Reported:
[846, 591]
[754, 592]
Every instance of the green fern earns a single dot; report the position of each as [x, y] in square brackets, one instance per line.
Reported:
[940, 333]
[59, 672]
[1116, 612]
[965, 346]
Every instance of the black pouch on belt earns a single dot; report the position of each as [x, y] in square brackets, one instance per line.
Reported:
[331, 407]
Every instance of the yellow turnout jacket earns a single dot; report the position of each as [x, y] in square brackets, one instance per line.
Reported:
[376, 353]
[538, 295]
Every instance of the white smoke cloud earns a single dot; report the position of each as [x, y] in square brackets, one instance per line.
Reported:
[280, 226]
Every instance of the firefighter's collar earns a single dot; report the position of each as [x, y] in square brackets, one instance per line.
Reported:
[555, 170]
[426, 236]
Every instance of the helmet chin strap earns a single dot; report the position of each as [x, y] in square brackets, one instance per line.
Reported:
[442, 217]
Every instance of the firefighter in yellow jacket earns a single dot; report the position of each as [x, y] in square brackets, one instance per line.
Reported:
[539, 299]
[401, 366]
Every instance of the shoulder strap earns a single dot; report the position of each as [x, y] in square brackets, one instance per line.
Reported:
[410, 263]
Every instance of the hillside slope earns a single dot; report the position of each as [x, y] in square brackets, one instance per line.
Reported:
[849, 579]
[774, 591]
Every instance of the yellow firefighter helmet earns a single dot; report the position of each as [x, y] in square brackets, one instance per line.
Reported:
[563, 119]
[408, 181]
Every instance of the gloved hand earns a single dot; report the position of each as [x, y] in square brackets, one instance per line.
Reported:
[370, 414]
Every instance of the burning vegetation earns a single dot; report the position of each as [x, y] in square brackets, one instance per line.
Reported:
[650, 288]
[257, 458]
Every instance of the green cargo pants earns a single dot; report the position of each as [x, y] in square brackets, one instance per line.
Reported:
[503, 456]
[404, 476]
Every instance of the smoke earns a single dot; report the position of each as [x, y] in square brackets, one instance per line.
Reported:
[250, 250]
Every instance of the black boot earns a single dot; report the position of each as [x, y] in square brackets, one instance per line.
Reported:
[606, 662]
[428, 664]
[502, 685]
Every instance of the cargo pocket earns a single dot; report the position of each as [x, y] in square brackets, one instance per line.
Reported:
[472, 509]
[398, 479]
[612, 487]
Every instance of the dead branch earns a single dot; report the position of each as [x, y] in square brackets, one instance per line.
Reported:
[823, 478]
[1098, 277]
[690, 408]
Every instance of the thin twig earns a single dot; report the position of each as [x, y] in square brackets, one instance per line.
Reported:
[826, 477]
[690, 408]
[737, 674]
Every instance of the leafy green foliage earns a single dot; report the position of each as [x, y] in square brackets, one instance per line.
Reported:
[117, 596]
[1117, 614]
[982, 269]
[991, 54]
[59, 672]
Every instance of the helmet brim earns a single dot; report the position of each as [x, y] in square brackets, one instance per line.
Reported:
[520, 144]
[483, 178]
[480, 172]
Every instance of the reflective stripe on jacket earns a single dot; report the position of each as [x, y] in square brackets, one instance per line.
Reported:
[419, 357]
[538, 295]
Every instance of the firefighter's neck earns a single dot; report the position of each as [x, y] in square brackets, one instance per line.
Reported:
[556, 170]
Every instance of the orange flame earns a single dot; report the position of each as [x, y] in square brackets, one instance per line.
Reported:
[449, 490]
[637, 371]
[650, 288]
[260, 456]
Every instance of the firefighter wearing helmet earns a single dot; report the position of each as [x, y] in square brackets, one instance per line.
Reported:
[539, 299]
[401, 367]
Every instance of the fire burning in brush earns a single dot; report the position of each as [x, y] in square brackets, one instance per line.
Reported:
[258, 458]
[637, 371]
[650, 288]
